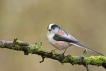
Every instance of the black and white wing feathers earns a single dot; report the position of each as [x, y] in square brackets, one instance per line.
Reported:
[72, 40]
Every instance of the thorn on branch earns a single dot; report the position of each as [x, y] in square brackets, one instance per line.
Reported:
[15, 40]
[42, 59]
[85, 52]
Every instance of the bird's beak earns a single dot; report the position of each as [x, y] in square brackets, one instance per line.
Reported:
[49, 29]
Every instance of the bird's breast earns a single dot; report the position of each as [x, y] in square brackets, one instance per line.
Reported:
[61, 45]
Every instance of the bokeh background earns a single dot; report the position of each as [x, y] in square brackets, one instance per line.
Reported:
[28, 21]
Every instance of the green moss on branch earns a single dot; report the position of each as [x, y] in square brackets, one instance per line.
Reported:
[37, 49]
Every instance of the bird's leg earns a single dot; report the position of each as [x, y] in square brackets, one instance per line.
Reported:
[64, 52]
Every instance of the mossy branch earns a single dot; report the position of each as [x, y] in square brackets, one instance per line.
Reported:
[37, 49]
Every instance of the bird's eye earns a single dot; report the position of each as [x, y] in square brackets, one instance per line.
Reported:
[49, 29]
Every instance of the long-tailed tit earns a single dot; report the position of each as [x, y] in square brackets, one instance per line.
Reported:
[62, 40]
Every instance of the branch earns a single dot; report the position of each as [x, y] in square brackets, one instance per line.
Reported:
[37, 49]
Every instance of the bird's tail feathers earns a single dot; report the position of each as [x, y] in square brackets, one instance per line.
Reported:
[82, 46]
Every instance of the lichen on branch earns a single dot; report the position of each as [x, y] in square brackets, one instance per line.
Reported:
[37, 49]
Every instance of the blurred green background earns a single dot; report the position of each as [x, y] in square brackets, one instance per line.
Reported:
[28, 21]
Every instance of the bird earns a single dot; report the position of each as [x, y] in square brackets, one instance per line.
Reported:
[61, 40]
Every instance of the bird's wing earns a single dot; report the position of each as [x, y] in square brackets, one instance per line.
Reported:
[66, 38]
[72, 40]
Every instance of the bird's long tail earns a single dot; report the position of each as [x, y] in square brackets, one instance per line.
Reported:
[82, 46]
